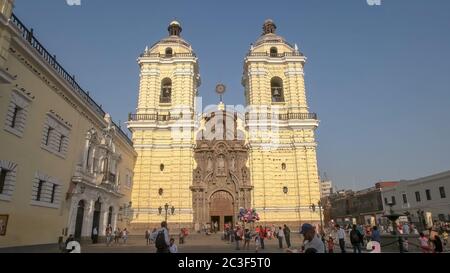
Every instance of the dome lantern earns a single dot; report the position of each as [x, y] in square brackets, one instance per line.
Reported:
[174, 28]
[269, 27]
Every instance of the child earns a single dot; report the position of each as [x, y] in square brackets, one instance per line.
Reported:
[173, 247]
[330, 245]
[424, 243]
[257, 242]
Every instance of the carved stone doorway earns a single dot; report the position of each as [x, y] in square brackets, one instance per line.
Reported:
[221, 207]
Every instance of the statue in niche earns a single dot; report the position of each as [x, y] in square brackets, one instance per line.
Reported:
[221, 165]
[233, 163]
[244, 175]
[210, 165]
[198, 175]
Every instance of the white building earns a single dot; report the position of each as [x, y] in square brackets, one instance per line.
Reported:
[425, 200]
[326, 188]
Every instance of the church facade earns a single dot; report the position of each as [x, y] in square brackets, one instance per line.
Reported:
[197, 166]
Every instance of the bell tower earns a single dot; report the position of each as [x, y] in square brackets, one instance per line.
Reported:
[281, 140]
[163, 129]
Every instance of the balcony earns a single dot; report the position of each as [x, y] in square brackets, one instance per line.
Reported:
[168, 56]
[158, 117]
[288, 116]
[165, 100]
[275, 55]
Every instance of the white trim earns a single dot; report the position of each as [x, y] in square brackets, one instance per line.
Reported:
[44, 204]
[4, 197]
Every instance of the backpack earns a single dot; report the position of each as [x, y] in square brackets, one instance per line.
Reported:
[160, 241]
[355, 236]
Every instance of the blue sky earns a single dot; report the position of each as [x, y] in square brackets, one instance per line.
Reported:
[378, 76]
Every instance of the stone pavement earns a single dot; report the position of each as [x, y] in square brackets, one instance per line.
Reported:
[195, 243]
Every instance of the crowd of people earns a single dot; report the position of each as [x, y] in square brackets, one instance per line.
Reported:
[239, 233]
[433, 239]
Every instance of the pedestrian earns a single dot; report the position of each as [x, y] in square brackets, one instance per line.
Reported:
[117, 235]
[437, 244]
[108, 233]
[433, 233]
[237, 236]
[161, 238]
[330, 244]
[216, 226]
[312, 242]
[257, 242]
[405, 228]
[445, 238]
[150, 236]
[356, 239]
[125, 236]
[94, 235]
[147, 236]
[341, 238]
[69, 239]
[181, 240]
[262, 235]
[247, 238]
[172, 246]
[287, 235]
[424, 243]
[375, 235]
[280, 237]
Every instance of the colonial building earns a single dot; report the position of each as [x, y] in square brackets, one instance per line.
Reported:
[424, 200]
[65, 166]
[361, 207]
[204, 166]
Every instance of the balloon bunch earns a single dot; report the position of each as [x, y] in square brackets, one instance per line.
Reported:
[248, 215]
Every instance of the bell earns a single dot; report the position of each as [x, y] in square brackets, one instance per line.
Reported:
[276, 92]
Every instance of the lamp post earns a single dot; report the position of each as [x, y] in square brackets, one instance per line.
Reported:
[313, 208]
[166, 208]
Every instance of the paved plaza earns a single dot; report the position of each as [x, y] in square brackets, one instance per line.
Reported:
[194, 244]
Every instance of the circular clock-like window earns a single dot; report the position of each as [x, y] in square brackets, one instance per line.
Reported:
[160, 191]
[161, 167]
[283, 166]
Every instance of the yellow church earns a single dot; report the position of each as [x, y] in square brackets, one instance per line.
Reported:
[197, 165]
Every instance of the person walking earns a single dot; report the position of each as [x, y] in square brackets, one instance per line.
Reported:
[247, 238]
[262, 235]
[216, 227]
[257, 242]
[280, 237]
[330, 244]
[161, 238]
[438, 244]
[341, 238]
[94, 235]
[125, 236]
[424, 243]
[147, 236]
[287, 235]
[375, 235]
[356, 239]
[237, 236]
[312, 242]
[108, 233]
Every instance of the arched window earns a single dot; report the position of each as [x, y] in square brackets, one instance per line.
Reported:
[89, 158]
[273, 52]
[276, 87]
[110, 213]
[169, 52]
[166, 91]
